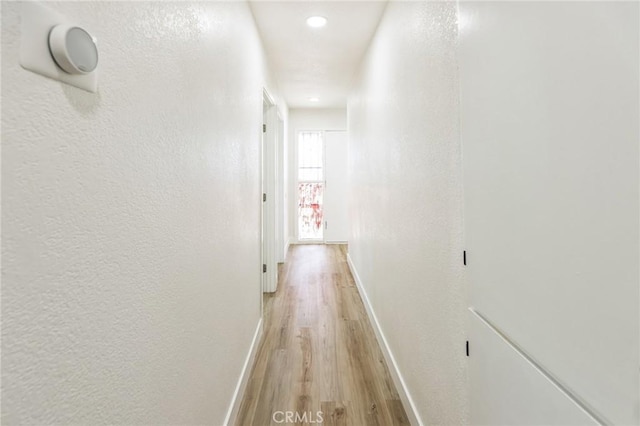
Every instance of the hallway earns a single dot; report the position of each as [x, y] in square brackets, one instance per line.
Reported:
[472, 166]
[319, 352]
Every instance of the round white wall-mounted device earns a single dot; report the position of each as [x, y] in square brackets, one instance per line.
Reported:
[73, 49]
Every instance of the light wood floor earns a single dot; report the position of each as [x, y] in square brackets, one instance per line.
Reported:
[318, 351]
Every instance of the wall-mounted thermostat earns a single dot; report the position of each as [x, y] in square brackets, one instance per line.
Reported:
[54, 46]
[73, 49]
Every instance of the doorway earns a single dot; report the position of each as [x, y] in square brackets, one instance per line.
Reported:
[268, 265]
[311, 183]
[322, 182]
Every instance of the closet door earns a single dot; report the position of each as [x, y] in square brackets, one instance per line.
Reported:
[550, 131]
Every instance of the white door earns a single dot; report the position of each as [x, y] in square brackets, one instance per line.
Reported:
[551, 210]
[335, 198]
[269, 152]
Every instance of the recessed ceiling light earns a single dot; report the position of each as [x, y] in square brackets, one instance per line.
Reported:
[314, 99]
[316, 21]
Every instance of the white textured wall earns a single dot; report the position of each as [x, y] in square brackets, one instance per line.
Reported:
[130, 219]
[307, 119]
[317, 119]
[406, 202]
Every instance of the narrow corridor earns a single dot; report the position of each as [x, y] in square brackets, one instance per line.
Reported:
[162, 161]
[319, 357]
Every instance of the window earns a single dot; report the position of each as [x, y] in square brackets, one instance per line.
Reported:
[310, 185]
[310, 158]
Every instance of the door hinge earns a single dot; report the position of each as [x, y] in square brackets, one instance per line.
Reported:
[464, 257]
[467, 348]
[264, 128]
[264, 197]
[264, 268]
[326, 224]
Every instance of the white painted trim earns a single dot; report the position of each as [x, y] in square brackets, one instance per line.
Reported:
[398, 381]
[280, 189]
[236, 400]
[336, 242]
[266, 96]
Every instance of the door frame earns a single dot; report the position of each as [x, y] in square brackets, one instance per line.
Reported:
[281, 192]
[268, 154]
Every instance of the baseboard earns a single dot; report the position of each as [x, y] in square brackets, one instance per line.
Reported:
[336, 242]
[398, 381]
[236, 400]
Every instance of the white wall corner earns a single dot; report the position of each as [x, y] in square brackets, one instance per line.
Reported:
[236, 399]
[398, 381]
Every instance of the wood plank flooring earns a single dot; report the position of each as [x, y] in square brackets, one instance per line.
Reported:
[318, 352]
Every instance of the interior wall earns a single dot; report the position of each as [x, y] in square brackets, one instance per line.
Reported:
[306, 119]
[121, 211]
[406, 237]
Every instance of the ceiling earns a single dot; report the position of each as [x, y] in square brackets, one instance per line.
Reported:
[316, 62]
